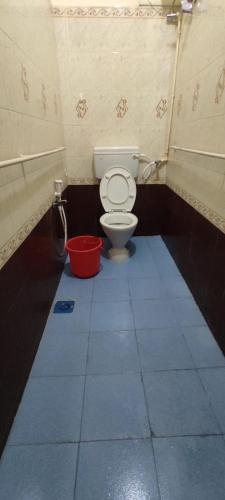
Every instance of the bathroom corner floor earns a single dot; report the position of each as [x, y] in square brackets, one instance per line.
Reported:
[126, 398]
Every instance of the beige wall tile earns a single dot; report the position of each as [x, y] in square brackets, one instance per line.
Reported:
[199, 111]
[29, 117]
[109, 63]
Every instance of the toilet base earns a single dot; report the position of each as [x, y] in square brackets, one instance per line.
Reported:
[119, 254]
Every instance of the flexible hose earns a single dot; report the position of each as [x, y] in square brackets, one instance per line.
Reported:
[64, 223]
[65, 227]
[149, 170]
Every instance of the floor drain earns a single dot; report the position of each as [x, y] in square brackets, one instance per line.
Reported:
[64, 306]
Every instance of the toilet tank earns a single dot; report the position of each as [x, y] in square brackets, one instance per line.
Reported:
[105, 158]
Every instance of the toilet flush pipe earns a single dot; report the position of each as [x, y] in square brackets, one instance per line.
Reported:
[174, 81]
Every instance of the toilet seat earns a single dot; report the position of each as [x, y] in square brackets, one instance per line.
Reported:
[118, 190]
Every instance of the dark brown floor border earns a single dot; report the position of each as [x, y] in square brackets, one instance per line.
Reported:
[198, 249]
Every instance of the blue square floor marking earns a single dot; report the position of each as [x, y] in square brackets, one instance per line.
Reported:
[64, 306]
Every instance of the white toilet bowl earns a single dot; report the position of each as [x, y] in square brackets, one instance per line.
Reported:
[118, 194]
[119, 227]
[117, 167]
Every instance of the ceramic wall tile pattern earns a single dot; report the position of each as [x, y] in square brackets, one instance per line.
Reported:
[199, 118]
[161, 108]
[30, 118]
[112, 82]
[81, 108]
[122, 107]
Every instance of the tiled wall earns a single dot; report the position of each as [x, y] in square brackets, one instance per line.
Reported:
[199, 121]
[30, 120]
[115, 79]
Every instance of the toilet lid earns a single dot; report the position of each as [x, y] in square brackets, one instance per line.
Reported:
[118, 190]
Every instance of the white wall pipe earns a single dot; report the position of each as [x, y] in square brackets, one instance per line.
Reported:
[199, 152]
[179, 16]
[23, 158]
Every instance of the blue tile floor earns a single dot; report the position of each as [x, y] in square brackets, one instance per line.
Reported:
[126, 397]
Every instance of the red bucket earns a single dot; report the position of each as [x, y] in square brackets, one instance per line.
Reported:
[84, 252]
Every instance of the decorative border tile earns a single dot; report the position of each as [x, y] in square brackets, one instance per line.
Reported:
[151, 182]
[8, 249]
[153, 11]
[207, 212]
[88, 181]
[91, 181]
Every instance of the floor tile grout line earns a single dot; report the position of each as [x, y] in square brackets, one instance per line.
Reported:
[76, 375]
[76, 470]
[81, 419]
[188, 348]
[193, 370]
[178, 436]
[152, 435]
[202, 385]
[146, 407]
[133, 438]
[165, 296]
[209, 400]
[156, 469]
[145, 372]
[192, 357]
[146, 329]
[83, 401]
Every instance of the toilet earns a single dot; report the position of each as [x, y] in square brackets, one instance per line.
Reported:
[117, 168]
